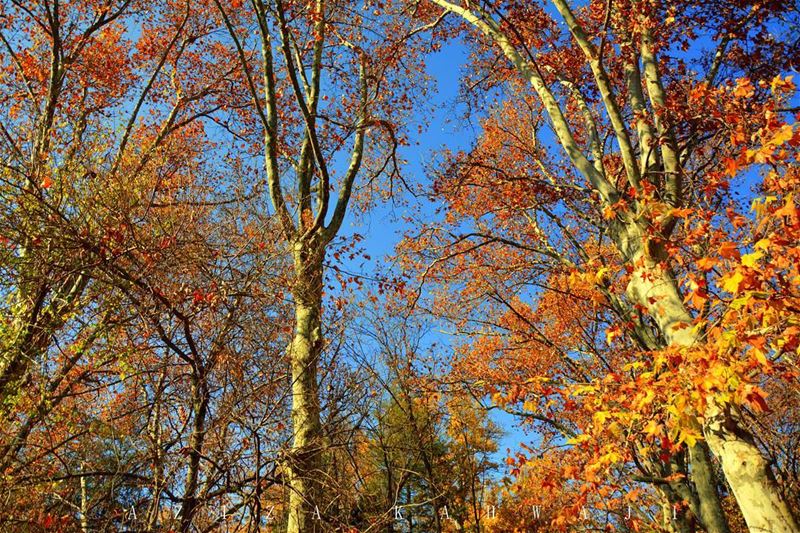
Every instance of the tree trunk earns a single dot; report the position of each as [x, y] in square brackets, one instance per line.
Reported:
[200, 399]
[304, 353]
[705, 483]
[748, 473]
[154, 428]
[84, 503]
[745, 469]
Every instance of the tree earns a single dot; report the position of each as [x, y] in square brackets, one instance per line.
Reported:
[596, 74]
[426, 458]
[616, 257]
[325, 76]
[131, 291]
[70, 65]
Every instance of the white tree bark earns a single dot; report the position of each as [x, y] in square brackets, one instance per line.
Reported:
[304, 351]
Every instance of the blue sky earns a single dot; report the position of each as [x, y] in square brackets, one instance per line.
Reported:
[383, 226]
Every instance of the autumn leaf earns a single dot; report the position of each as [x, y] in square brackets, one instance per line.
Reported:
[729, 250]
[751, 260]
[690, 437]
[579, 439]
[706, 263]
[789, 208]
[681, 212]
[744, 88]
[652, 428]
[783, 135]
[756, 398]
[731, 166]
[779, 84]
[731, 282]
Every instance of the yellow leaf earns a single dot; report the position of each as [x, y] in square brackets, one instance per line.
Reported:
[602, 276]
[689, 437]
[760, 205]
[731, 282]
[779, 83]
[600, 417]
[738, 303]
[612, 333]
[636, 365]
[751, 260]
[615, 429]
[652, 427]
[648, 398]
[583, 389]
[578, 439]
[784, 134]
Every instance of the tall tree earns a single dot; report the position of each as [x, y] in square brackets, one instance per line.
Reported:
[598, 73]
[327, 74]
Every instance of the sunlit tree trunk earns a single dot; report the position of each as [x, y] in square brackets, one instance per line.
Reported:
[748, 473]
[156, 443]
[705, 482]
[309, 217]
[84, 504]
[304, 352]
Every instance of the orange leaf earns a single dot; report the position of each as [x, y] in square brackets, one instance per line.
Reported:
[788, 210]
[729, 250]
[731, 166]
[706, 263]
